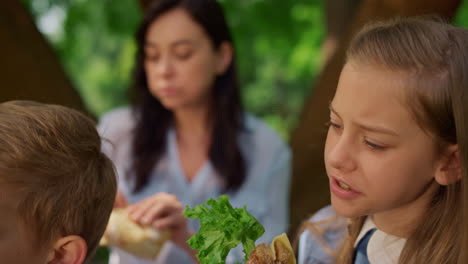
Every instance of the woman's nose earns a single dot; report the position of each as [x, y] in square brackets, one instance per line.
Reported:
[164, 67]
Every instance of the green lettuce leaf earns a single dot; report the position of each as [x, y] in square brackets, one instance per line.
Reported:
[222, 228]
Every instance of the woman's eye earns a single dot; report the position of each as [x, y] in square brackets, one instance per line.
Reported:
[374, 146]
[152, 58]
[183, 55]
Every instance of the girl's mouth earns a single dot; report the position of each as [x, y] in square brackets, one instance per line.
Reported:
[344, 186]
[342, 190]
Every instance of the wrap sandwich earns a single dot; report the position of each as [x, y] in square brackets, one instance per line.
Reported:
[141, 241]
[223, 228]
[279, 252]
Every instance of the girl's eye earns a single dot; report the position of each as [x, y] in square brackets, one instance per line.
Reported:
[333, 124]
[374, 146]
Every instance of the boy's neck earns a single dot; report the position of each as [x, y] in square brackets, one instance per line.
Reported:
[402, 221]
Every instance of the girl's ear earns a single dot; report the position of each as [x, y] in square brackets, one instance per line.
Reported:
[68, 250]
[450, 170]
[225, 54]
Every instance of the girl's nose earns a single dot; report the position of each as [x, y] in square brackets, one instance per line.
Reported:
[340, 154]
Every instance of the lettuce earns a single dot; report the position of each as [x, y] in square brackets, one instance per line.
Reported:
[222, 228]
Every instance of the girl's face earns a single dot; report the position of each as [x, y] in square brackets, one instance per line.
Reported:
[181, 63]
[377, 158]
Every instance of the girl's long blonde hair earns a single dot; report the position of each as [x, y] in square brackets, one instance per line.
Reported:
[434, 57]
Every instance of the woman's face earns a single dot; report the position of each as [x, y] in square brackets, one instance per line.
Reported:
[378, 159]
[181, 63]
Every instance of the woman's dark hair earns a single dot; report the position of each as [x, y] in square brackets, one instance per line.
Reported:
[153, 120]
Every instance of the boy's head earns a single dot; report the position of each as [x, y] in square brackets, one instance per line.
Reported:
[56, 186]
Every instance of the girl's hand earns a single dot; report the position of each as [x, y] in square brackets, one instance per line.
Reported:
[163, 211]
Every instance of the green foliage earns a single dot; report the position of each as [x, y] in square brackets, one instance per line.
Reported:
[277, 46]
[222, 228]
[97, 50]
[96, 47]
[101, 256]
[461, 19]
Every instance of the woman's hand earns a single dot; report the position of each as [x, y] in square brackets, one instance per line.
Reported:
[120, 200]
[163, 211]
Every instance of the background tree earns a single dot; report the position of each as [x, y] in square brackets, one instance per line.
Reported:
[29, 67]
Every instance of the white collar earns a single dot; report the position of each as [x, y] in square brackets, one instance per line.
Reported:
[382, 248]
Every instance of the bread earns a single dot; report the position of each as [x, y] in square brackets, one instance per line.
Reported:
[141, 241]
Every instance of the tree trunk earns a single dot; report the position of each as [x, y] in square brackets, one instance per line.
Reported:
[310, 189]
[144, 4]
[29, 68]
[338, 14]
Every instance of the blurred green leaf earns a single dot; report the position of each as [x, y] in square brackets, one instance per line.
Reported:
[461, 19]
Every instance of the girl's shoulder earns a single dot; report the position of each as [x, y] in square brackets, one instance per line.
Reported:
[324, 213]
[327, 225]
[322, 237]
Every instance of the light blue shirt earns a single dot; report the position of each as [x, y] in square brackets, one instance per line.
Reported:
[265, 191]
[312, 247]
[382, 248]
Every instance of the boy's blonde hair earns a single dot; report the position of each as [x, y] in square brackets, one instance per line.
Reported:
[51, 162]
[433, 57]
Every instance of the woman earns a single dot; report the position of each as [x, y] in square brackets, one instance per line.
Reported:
[186, 138]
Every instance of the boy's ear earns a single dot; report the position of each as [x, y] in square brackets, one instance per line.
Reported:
[450, 170]
[68, 250]
[225, 54]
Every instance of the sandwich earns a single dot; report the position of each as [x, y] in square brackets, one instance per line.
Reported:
[279, 252]
[223, 228]
[141, 241]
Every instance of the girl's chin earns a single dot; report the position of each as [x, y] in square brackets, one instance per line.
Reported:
[346, 210]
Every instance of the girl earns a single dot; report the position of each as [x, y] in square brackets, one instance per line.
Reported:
[396, 150]
[187, 138]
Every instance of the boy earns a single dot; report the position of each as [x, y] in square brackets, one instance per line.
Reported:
[56, 186]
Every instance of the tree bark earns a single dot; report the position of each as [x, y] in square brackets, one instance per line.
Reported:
[338, 14]
[310, 189]
[144, 4]
[29, 67]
